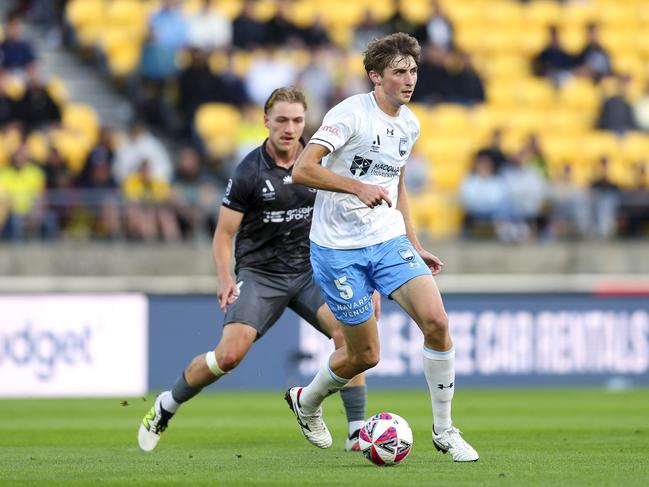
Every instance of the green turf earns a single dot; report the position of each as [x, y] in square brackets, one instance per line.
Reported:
[525, 438]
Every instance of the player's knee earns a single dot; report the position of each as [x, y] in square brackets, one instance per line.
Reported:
[338, 337]
[366, 360]
[435, 328]
[229, 359]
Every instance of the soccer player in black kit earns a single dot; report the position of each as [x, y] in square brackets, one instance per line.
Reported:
[271, 218]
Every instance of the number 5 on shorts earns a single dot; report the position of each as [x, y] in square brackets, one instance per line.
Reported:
[345, 289]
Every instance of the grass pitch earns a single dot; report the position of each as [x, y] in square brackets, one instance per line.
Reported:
[525, 438]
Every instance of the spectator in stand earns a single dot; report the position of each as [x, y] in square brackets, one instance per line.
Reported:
[604, 202]
[100, 189]
[468, 86]
[616, 113]
[495, 151]
[315, 36]
[149, 213]
[483, 195]
[593, 61]
[15, 53]
[554, 61]
[141, 145]
[247, 32]
[62, 201]
[435, 83]
[8, 106]
[368, 29]
[101, 154]
[568, 206]
[438, 29]
[399, 23]
[22, 188]
[209, 28]
[36, 109]
[196, 85]
[268, 71]
[169, 26]
[527, 191]
[282, 32]
[531, 154]
[640, 110]
[316, 81]
[634, 205]
[194, 196]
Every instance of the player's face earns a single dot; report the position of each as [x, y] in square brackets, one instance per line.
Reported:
[285, 124]
[398, 80]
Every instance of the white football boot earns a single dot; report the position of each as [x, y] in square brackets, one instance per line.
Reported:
[312, 425]
[351, 443]
[152, 426]
[450, 441]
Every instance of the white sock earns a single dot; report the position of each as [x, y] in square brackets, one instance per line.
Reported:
[324, 384]
[167, 402]
[439, 369]
[354, 426]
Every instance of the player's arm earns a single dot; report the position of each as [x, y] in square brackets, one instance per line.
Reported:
[227, 226]
[308, 171]
[403, 206]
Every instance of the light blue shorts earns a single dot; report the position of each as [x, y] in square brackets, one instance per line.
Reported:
[349, 277]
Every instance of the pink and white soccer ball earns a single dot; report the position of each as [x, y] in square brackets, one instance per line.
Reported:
[385, 439]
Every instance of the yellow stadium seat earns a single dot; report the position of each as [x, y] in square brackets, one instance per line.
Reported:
[14, 86]
[635, 146]
[80, 12]
[580, 94]
[599, 143]
[303, 13]
[38, 146]
[542, 12]
[264, 10]
[72, 146]
[82, 119]
[57, 90]
[417, 12]
[449, 119]
[126, 12]
[217, 121]
[231, 8]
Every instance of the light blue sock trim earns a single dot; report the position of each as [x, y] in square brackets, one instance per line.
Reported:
[340, 380]
[435, 355]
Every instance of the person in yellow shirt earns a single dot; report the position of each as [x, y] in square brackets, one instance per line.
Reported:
[22, 197]
[149, 213]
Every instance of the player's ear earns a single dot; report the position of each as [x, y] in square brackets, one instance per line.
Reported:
[266, 120]
[375, 77]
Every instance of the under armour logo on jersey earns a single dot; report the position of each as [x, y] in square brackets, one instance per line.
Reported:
[442, 386]
[360, 166]
[288, 180]
[390, 132]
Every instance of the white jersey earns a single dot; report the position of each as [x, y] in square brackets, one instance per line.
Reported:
[369, 145]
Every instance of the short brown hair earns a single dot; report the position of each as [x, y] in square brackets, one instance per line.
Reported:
[288, 94]
[381, 53]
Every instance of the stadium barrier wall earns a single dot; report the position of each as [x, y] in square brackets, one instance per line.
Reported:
[122, 345]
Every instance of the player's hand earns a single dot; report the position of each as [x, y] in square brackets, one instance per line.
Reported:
[434, 264]
[376, 302]
[373, 195]
[228, 292]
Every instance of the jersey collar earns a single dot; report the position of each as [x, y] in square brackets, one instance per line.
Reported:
[268, 159]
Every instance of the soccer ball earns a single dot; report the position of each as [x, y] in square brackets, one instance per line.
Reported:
[385, 439]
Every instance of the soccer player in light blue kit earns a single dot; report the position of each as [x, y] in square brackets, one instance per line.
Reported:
[362, 239]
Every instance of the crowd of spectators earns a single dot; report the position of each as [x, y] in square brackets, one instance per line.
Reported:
[510, 196]
[131, 187]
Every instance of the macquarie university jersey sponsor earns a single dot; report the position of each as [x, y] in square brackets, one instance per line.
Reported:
[274, 233]
[369, 145]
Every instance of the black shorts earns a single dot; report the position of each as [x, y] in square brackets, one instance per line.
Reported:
[263, 297]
